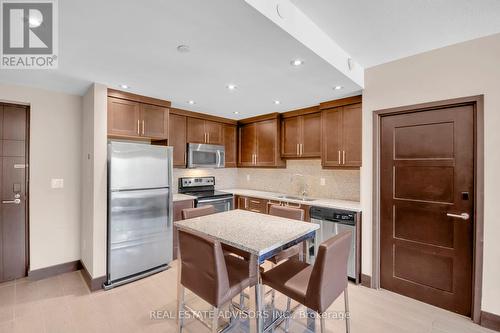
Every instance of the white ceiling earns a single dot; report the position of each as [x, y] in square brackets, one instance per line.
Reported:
[376, 32]
[128, 42]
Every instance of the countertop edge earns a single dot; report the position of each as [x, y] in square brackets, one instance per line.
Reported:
[319, 202]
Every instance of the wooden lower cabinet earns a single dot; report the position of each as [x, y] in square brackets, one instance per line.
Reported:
[258, 205]
[178, 207]
[252, 204]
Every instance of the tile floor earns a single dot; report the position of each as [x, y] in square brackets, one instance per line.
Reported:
[64, 304]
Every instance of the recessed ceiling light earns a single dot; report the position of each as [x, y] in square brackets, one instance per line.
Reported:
[236, 112]
[183, 48]
[296, 62]
[191, 102]
[277, 102]
[124, 86]
[231, 86]
[338, 87]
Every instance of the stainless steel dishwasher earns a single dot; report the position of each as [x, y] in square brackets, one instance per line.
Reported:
[334, 221]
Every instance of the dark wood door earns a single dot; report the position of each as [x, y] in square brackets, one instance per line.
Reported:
[332, 137]
[311, 135]
[351, 135]
[267, 149]
[123, 117]
[214, 130]
[13, 126]
[247, 142]
[196, 130]
[154, 121]
[177, 139]
[230, 144]
[290, 136]
[427, 161]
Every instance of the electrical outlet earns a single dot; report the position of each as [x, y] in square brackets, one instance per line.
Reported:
[322, 181]
[57, 183]
[248, 178]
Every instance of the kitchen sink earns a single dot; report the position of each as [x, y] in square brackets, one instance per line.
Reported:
[292, 197]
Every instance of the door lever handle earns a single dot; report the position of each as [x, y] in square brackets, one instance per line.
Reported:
[15, 201]
[463, 216]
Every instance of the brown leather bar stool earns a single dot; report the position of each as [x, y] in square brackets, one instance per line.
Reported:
[289, 213]
[315, 286]
[191, 213]
[209, 274]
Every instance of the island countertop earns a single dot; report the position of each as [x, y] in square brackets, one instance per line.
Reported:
[252, 232]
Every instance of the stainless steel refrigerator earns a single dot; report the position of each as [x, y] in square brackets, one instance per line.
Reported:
[139, 211]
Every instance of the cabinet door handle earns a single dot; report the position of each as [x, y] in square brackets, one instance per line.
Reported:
[343, 156]
[339, 157]
[138, 126]
[143, 127]
[301, 149]
[208, 137]
[298, 150]
[255, 202]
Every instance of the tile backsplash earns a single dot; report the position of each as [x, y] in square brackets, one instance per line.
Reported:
[224, 178]
[338, 184]
[320, 183]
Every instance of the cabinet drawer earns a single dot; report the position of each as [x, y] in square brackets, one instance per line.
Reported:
[252, 204]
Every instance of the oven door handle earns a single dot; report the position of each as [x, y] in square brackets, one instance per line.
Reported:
[213, 200]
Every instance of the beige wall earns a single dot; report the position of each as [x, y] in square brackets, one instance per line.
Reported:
[55, 150]
[94, 178]
[339, 184]
[466, 69]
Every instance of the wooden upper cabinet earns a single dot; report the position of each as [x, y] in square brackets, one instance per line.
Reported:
[214, 130]
[196, 130]
[154, 121]
[123, 117]
[259, 144]
[267, 143]
[341, 128]
[177, 139]
[290, 137]
[204, 131]
[351, 135]
[247, 142]
[311, 135]
[301, 136]
[132, 116]
[230, 144]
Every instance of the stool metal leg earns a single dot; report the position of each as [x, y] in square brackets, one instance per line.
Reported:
[215, 320]
[288, 314]
[322, 323]
[347, 314]
[180, 307]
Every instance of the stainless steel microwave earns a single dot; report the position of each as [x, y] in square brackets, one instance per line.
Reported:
[205, 156]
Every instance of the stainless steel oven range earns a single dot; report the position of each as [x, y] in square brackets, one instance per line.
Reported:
[203, 188]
